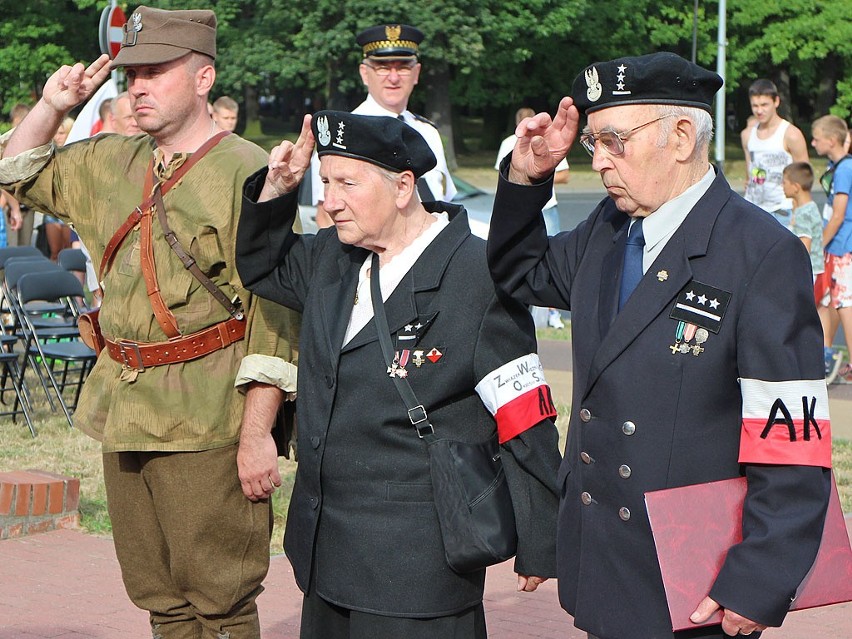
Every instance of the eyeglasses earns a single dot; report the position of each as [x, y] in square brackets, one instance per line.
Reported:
[612, 141]
[404, 69]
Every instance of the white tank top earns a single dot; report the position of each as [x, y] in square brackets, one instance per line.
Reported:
[768, 159]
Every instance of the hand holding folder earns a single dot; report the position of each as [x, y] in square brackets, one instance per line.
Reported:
[693, 528]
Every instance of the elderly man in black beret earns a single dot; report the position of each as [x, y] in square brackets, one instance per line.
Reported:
[694, 331]
[362, 531]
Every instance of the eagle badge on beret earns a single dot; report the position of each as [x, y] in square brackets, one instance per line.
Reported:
[324, 137]
[594, 90]
[133, 27]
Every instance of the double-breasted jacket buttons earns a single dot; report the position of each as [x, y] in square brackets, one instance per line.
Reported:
[624, 471]
[587, 459]
[624, 513]
[628, 428]
[586, 498]
[585, 415]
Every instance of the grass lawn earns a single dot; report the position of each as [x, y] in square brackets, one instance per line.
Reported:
[67, 451]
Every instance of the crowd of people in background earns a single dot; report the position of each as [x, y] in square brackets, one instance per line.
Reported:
[779, 179]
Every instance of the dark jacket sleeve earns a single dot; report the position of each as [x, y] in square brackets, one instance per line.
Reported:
[531, 460]
[524, 262]
[784, 511]
[273, 261]
[531, 467]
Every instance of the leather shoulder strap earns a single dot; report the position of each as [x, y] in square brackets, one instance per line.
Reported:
[134, 217]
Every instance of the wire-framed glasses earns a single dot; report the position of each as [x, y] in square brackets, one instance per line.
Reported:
[612, 141]
[404, 69]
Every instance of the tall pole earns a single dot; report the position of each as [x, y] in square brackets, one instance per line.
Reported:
[720, 96]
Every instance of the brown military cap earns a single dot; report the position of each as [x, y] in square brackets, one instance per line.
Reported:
[154, 36]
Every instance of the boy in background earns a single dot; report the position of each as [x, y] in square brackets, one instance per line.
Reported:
[829, 135]
[806, 221]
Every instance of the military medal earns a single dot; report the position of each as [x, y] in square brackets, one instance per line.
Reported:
[684, 334]
[701, 336]
[674, 348]
[418, 359]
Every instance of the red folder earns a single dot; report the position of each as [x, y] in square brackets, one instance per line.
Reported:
[694, 526]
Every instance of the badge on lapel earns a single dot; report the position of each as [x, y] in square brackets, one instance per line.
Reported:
[699, 309]
[406, 340]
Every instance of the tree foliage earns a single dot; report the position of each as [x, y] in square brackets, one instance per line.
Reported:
[484, 58]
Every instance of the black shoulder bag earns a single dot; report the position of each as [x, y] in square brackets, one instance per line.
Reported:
[468, 481]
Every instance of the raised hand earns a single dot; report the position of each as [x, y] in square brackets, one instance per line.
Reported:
[70, 86]
[543, 142]
[288, 163]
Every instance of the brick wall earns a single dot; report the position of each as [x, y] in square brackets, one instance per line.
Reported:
[34, 501]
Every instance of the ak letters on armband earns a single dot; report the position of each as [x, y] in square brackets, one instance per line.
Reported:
[517, 395]
[784, 422]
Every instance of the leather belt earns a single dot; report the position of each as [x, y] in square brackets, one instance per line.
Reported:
[141, 355]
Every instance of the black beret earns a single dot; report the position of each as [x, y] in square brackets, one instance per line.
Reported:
[390, 41]
[380, 140]
[656, 78]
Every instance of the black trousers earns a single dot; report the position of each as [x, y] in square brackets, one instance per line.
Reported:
[324, 620]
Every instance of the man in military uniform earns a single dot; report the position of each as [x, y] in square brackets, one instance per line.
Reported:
[390, 70]
[184, 395]
[694, 332]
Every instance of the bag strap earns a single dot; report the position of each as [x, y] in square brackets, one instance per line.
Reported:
[416, 413]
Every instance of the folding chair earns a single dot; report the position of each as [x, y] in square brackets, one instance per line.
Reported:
[7, 253]
[13, 373]
[53, 319]
[77, 358]
[72, 259]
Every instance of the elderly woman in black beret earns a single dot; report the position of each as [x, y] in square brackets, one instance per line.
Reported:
[363, 533]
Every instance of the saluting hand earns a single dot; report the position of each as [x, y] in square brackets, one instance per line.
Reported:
[288, 163]
[70, 86]
[543, 143]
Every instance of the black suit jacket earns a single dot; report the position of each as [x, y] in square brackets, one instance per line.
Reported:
[651, 412]
[362, 522]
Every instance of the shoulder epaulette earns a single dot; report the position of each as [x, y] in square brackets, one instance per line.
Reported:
[420, 118]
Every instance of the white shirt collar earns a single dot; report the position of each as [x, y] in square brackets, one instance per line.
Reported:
[663, 222]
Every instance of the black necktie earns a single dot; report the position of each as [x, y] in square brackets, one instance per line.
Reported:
[631, 272]
[423, 189]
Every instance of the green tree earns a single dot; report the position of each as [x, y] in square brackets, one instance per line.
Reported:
[36, 38]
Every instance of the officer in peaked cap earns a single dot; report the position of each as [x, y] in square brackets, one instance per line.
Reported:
[155, 36]
[390, 69]
[188, 479]
[678, 288]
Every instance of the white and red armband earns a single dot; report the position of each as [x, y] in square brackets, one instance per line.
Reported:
[517, 395]
[785, 423]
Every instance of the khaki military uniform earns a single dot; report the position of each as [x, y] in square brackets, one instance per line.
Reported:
[148, 421]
